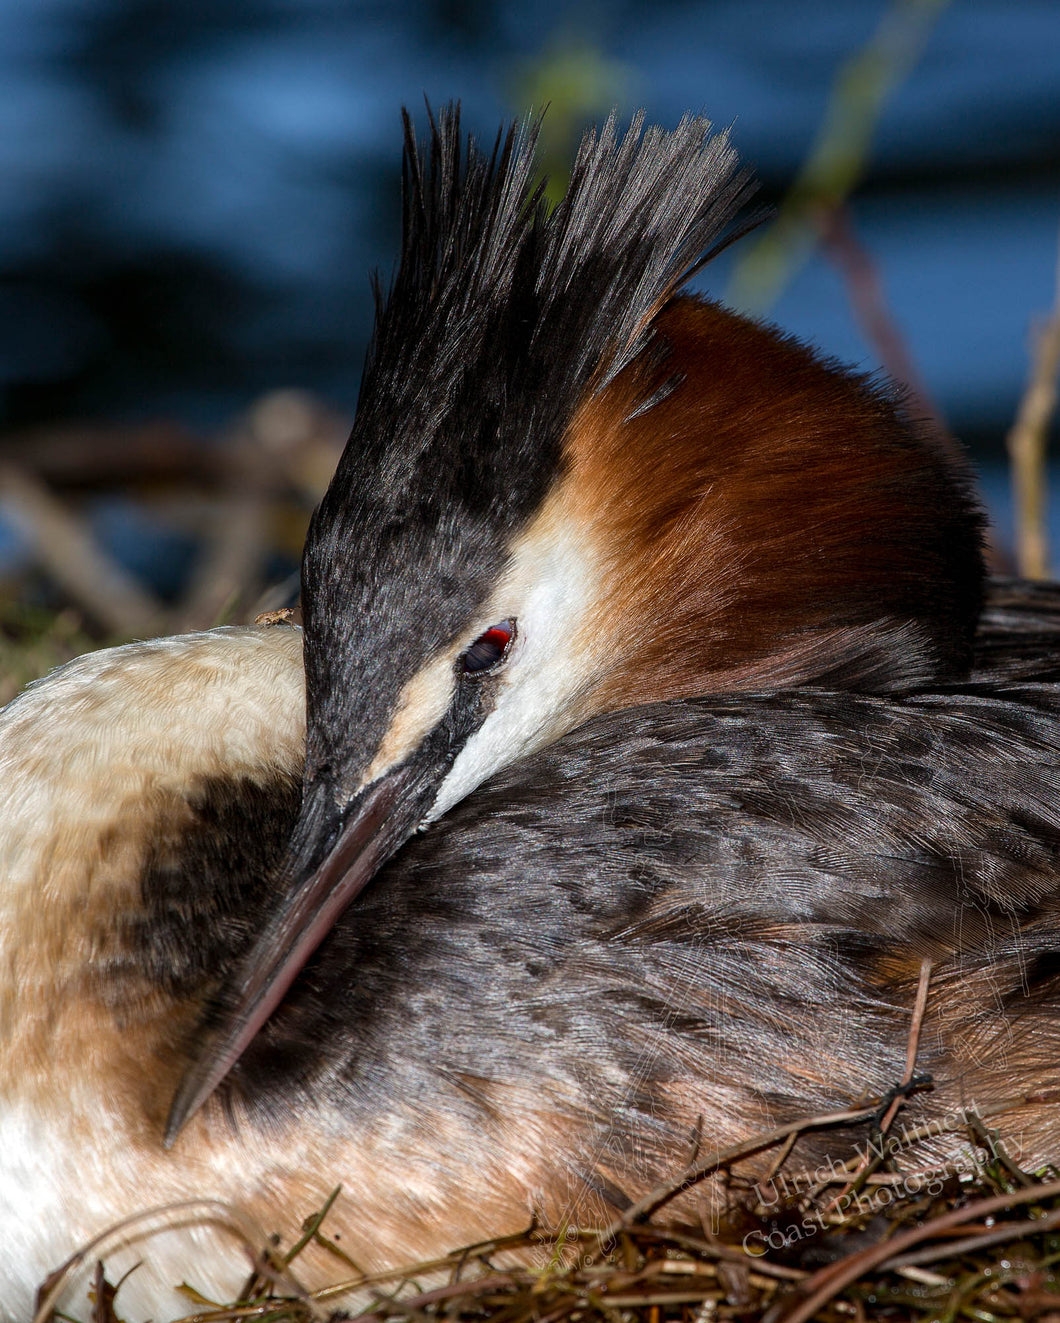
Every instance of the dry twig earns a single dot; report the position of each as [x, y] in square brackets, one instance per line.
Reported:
[1028, 445]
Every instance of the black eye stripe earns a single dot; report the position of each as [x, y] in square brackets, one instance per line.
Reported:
[489, 649]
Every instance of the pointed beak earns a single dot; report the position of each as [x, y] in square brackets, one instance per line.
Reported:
[361, 839]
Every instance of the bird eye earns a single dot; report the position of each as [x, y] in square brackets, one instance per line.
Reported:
[489, 649]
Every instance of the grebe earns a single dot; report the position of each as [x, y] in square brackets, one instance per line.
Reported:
[570, 491]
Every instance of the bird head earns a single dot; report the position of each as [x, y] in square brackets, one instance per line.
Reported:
[569, 489]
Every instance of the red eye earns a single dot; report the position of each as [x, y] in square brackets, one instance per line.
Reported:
[489, 648]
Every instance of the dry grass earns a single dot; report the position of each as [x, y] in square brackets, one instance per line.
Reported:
[34, 640]
[980, 1243]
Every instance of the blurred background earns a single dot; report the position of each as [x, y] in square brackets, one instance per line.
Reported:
[194, 193]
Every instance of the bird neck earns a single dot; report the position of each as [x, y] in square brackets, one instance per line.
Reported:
[762, 518]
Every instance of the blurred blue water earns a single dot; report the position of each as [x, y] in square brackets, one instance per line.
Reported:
[261, 137]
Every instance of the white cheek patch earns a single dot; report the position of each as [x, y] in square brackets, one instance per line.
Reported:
[552, 583]
[424, 702]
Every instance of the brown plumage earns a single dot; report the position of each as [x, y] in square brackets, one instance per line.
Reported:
[773, 520]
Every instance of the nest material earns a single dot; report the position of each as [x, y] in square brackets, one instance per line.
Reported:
[979, 1239]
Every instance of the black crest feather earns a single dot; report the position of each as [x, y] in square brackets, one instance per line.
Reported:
[491, 284]
[501, 315]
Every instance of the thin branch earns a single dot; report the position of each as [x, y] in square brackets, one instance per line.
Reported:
[869, 304]
[64, 546]
[912, 1043]
[229, 565]
[955, 1249]
[838, 158]
[867, 1164]
[693, 1175]
[189, 1212]
[826, 1284]
[1028, 445]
